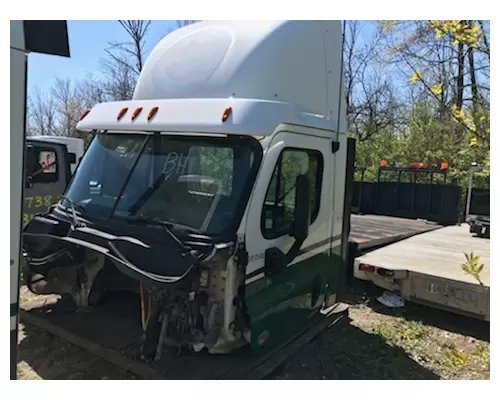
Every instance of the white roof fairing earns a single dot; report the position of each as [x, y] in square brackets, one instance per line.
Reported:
[269, 72]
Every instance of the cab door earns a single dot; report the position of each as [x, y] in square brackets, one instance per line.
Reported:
[46, 177]
[281, 302]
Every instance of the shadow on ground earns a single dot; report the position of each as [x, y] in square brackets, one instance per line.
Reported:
[367, 294]
[43, 356]
[346, 352]
[342, 352]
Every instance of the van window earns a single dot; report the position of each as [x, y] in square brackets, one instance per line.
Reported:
[41, 165]
[279, 205]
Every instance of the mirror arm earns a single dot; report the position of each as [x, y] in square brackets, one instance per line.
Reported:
[294, 251]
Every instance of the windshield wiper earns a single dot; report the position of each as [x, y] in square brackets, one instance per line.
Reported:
[76, 223]
[159, 222]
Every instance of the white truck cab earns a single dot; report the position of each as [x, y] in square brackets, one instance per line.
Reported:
[218, 190]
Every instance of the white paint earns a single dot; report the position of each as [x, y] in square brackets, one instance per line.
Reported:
[269, 72]
[249, 117]
[438, 253]
[291, 61]
[321, 227]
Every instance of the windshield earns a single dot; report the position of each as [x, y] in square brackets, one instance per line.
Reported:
[197, 183]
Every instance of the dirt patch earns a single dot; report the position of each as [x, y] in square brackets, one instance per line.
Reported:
[376, 343]
[414, 342]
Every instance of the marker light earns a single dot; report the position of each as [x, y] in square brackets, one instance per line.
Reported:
[152, 113]
[366, 267]
[122, 112]
[84, 114]
[136, 113]
[226, 114]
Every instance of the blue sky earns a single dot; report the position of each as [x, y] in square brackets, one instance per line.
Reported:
[87, 40]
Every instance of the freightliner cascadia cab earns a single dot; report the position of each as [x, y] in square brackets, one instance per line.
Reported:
[217, 191]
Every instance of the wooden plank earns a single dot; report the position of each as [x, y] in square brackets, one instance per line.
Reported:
[366, 229]
[137, 367]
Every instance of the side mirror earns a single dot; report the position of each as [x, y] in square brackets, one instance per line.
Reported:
[302, 211]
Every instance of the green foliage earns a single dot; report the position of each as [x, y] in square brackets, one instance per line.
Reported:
[217, 162]
[472, 267]
[456, 358]
[407, 334]
[430, 139]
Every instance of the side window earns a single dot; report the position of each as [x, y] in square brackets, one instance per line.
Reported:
[279, 205]
[41, 165]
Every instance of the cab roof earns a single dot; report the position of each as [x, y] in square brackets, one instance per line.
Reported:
[269, 72]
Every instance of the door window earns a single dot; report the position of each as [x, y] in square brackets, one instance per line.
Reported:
[279, 205]
[41, 165]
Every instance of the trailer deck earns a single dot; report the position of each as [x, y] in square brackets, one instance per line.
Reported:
[369, 231]
[426, 268]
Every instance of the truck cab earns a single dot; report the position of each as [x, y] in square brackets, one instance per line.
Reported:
[217, 191]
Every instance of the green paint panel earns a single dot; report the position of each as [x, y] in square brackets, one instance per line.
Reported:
[282, 304]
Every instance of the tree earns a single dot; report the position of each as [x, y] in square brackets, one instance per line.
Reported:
[125, 60]
[91, 91]
[68, 106]
[450, 61]
[131, 54]
[42, 114]
[370, 99]
[181, 23]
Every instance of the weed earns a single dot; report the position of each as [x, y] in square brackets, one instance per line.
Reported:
[472, 267]
[482, 353]
[406, 333]
[456, 358]
[414, 331]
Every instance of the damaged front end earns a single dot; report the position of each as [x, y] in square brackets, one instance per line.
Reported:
[181, 282]
[156, 215]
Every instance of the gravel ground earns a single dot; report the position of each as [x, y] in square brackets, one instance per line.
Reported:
[377, 343]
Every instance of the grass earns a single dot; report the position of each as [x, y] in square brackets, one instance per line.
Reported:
[406, 334]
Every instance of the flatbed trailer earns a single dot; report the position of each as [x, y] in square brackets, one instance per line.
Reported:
[112, 332]
[427, 269]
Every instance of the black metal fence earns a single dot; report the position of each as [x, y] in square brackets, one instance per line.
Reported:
[433, 202]
[409, 192]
